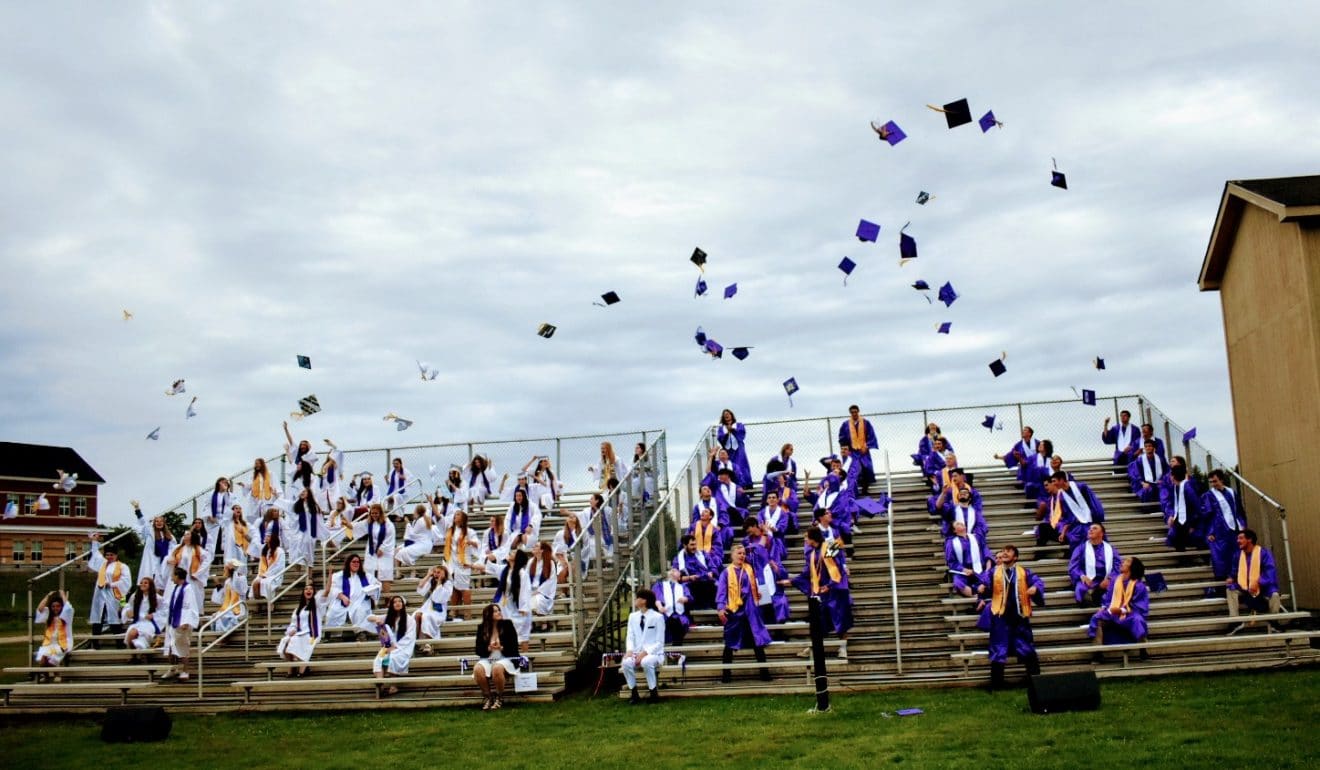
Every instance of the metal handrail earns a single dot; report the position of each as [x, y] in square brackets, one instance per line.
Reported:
[962, 407]
[893, 574]
[77, 558]
[503, 441]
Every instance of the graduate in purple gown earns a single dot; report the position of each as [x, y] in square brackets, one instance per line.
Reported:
[733, 437]
[1092, 567]
[712, 539]
[731, 501]
[1009, 590]
[826, 576]
[964, 510]
[1183, 512]
[1038, 470]
[784, 462]
[719, 459]
[774, 517]
[858, 434]
[940, 480]
[1254, 582]
[1148, 434]
[928, 445]
[774, 580]
[968, 559]
[825, 523]
[1146, 473]
[674, 600]
[1224, 520]
[762, 548]
[1124, 609]
[1124, 437]
[1073, 509]
[1018, 454]
[933, 461]
[737, 598]
[842, 500]
[697, 570]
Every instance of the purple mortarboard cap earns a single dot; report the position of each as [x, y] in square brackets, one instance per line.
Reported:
[609, 298]
[988, 422]
[305, 362]
[921, 285]
[1058, 179]
[907, 246]
[945, 327]
[923, 197]
[700, 336]
[1156, 583]
[1099, 363]
[957, 113]
[890, 132]
[730, 290]
[947, 295]
[867, 231]
[847, 266]
[715, 349]
[699, 258]
[701, 287]
[1088, 397]
[790, 387]
[988, 121]
[1189, 435]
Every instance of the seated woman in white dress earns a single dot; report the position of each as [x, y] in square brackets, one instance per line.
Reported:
[379, 554]
[237, 536]
[479, 476]
[304, 629]
[524, 516]
[418, 538]
[461, 551]
[568, 536]
[229, 595]
[270, 569]
[338, 522]
[436, 589]
[271, 521]
[514, 593]
[398, 635]
[547, 570]
[57, 639]
[141, 615]
[348, 594]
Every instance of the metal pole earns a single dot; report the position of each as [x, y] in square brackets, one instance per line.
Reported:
[829, 437]
[1287, 555]
[201, 656]
[31, 622]
[820, 678]
[893, 576]
[559, 465]
[1022, 424]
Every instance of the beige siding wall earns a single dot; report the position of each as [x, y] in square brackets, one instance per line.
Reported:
[1271, 303]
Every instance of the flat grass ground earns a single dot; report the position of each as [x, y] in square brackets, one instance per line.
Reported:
[1225, 721]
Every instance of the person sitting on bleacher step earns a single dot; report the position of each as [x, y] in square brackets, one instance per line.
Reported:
[784, 462]
[1183, 511]
[304, 629]
[966, 509]
[142, 616]
[644, 646]
[348, 594]
[673, 597]
[56, 613]
[1148, 434]
[698, 569]
[934, 461]
[114, 580]
[1124, 437]
[968, 558]
[837, 492]
[1039, 469]
[731, 502]
[1020, 453]
[1123, 611]
[942, 480]
[230, 596]
[1146, 472]
[1093, 566]
[1072, 509]
[436, 589]
[1255, 582]
[495, 644]
[1013, 589]
[712, 539]
[719, 460]
[825, 576]
[737, 599]
[1225, 519]
[397, 632]
[931, 443]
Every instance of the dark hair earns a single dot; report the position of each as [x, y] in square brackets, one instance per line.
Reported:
[775, 466]
[854, 406]
[303, 602]
[749, 522]
[1049, 446]
[181, 573]
[487, 628]
[1138, 570]
[1028, 429]
[1150, 442]
[1179, 472]
[1250, 534]
[1218, 473]
[815, 535]
[1098, 524]
[218, 481]
[135, 596]
[1125, 412]
[348, 563]
[688, 538]
[1012, 548]
[272, 542]
[110, 549]
[648, 595]
[194, 538]
[1058, 476]
[397, 620]
[1145, 425]
[51, 598]
[303, 473]
[509, 583]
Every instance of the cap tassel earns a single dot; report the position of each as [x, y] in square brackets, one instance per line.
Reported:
[940, 110]
[296, 415]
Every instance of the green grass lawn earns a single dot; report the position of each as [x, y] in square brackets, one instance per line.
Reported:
[1237, 720]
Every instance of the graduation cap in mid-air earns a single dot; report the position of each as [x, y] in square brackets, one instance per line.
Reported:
[947, 295]
[701, 287]
[988, 422]
[1099, 363]
[921, 285]
[11, 510]
[714, 349]
[1088, 397]
[304, 362]
[128, 316]
[427, 371]
[889, 132]
[609, 297]
[192, 410]
[867, 231]
[955, 113]
[923, 197]
[307, 406]
[730, 290]
[791, 387]
[740, 353]
[399, 422]
[945, 327]
[988, 121]
[154, 435]
[176, 388]
[997, 365]
[699, 258]
[1057, 178]
[847, 266]
[546, 330]
[700, 336]
[40, 504]
[1189, 435]
[907, 245]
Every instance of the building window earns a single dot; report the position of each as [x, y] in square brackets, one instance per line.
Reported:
[28, 502]
[17, 500]
[70, 550]
[80, 506]
[36, 551]
[19, 548]
[65, 506]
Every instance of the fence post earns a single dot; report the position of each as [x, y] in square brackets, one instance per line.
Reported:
[1022, 424]
[559, 452]
[829, 437]
[1168, 438]
[31, 622]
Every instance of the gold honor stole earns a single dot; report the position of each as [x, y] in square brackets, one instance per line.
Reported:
[734, 602]
[261, 489]
[59, 632]
[1123, 590]
[232, 601]
[705, 535]
[196, 558]
[831, 566]
[114, 579]
[1248, 573]
[266, 561]
[1056, 510]
[241, 535]
[999, 599]
[858, 434]
[449, 547]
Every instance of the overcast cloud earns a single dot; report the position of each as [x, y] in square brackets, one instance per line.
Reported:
[369, 184]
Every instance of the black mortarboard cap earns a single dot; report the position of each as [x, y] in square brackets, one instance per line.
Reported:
[304, 362]
[546, 330]
[997, 366]
[740, 353]
[699, 258]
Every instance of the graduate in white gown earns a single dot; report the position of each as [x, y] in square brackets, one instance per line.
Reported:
[304, 530]
[608, 467]
[300, 463]
[436, 589]
[237, 535]
[271, 566]
[336, 522]
[271, 521]
[496, 541]
[263, 491]
[56, 614]
[418, 538]
[304, 629]
[113, 581]
[524, 516]
[378, 557]
[397, 632]
[461, 550]
[183, 615]
[547, 571]
[399, 480]
[230, 596]
[195, 559]
[157, 545]
[143, 616]
[568, 535]
[349, 594]
[514, 594]
[330, 479]
[479, 478]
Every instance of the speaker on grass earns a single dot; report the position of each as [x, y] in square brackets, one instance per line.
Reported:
[135, 724]
[1052, 693]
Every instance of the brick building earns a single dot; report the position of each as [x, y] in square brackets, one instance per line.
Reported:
[49, 536]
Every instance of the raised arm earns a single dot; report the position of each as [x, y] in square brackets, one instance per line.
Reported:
[288, 437]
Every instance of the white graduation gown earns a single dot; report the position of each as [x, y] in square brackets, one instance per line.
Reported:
[394, 661]
[435, 604]
[298, 640]
[359, 600]
[60, 643]
[378, 561]
[423, 540]
[106, 599]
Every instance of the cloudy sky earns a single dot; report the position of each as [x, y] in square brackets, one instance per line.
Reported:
[369, 185]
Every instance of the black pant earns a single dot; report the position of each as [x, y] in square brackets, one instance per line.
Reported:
[703, 594]
[727, 676]
[1182, 535]
[1093, 597]
[675, 631]
[846, 536]
[865, 478]
[1046, 534]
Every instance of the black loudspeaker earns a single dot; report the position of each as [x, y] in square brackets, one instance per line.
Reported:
[1052, 693]
[135, 724]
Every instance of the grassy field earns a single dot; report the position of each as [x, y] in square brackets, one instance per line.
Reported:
[1264, 720]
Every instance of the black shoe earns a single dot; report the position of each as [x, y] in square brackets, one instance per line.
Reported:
[653, 696]
[1143, 655]
[725, 678]
[1097, 657]
[633, 699]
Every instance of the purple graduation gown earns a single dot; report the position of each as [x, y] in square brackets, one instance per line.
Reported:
[735, 442]
[743, 628]
[1136, 477]
[1269, 582]
[1123, 453]
[835, 598]
[1011, 459]
[1077, 567]
[1224, 548]
[1120, 630]
[682, 590]
[779, 608]
[845, 439]
[1193, 505]
[1010, 632]
[956, 565]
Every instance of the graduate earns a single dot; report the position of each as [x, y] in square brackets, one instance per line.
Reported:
[546, 571]
[195, 560]
[217, 509]
[939, 466]
[497, 540]
[1038, 470]
[774, 516]
[1011, 589]
[705, 499]
[263, 492]
[1183, 512]
[718, 459]
[968, 558]
[397, 632]
[300, 462]
[436, 589]
[588, 520]
[337, 523]
[199, 526]
[826, 576]
[697, 570]
[399, 480]
[732, 437]
[963, 510]
[1225, 519]
[1124, 437]
[272, 523]
[731, 502]
[1148, 434]
[1254, 582]
[305, 531]
[379, 553]
[141, 616]
[57, 638]
[762, 548]
[236, 535]
[1073, 509]
[825, 523]
[418, 538]
[455, 486]
[608, 467]
[480, 473]
[184, 615]
[348, 594]
[495, 642]
[643, 482]
[271, 566]
[113, 582]
[330, 478]
[546, 487]
[229, 595]
[621, 505]
[524, 516]
[1121, 618]
[859, 436]
[672, 598]
[644, 646]
[461, 549]
[1092, 567]
[929, 444]
[513, 593]
[304, 629]
[784, 462]
[712, 540]
[1018, 455]
[567, 536]
[1146, 472]
[363, 487]
[157, 545]
[774, 606]
[737, 597]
